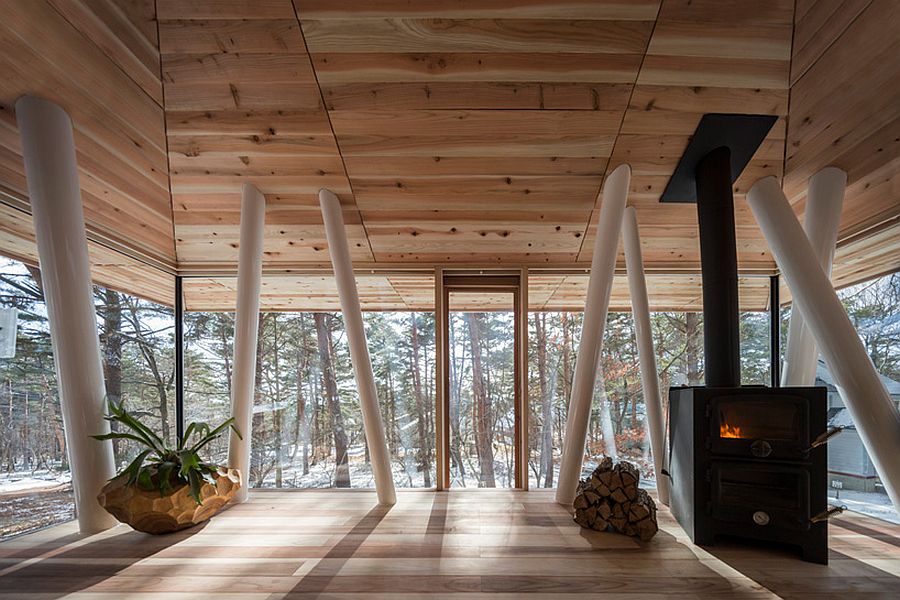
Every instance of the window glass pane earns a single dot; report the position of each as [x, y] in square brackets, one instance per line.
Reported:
[482, 390]
[307, 423]
[137, 347]
[755, 348]
[137, 352]
[618, 417]
[35, 488]
[874, 308]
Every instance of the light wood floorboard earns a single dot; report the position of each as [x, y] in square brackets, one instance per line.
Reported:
[502, 545]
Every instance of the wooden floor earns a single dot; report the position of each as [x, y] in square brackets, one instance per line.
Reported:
[459, 545]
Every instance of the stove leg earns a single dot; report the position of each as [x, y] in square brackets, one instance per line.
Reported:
[815, 550]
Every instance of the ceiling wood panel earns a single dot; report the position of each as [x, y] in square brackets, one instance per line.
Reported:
[817, 25]
[473, 132]
[701, 59]
[243, 106]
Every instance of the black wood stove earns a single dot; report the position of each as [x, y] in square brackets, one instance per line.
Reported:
[743, 461]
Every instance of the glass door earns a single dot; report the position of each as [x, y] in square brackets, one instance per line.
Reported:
[482, 428]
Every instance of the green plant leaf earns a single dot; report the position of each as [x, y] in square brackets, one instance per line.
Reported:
[145, 479]
[196, 483]
[148, 438]
[134, 467]
[115, 435]
[164, 474]
[190, 463]
[215, 433]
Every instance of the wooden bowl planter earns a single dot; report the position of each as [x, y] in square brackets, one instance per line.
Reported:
[151, 512]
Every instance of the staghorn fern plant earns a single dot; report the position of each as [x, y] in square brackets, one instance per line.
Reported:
[166, 468]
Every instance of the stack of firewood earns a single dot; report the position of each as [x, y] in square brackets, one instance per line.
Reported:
[610, 499]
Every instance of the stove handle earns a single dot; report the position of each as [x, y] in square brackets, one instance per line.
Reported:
[823, 438]
[828, 513]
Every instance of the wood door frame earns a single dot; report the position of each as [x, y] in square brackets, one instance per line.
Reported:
[516, 285]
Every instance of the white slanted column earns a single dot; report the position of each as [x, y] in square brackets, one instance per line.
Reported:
[339, 249]
[824, 200]
[246, 331]
[875, 415]
[49, 151]
[640, 311]
[603, 263]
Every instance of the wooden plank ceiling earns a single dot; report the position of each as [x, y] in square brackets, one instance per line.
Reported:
[415, 292]
[470, 132]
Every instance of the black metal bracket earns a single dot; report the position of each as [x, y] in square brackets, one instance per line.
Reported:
[742, 134]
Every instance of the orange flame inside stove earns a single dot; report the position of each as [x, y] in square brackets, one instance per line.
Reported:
[729, 431]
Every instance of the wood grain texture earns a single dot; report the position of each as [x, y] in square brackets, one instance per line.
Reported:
[466, 132]
[109, 268]
[243, 106]
[415, 292]
[96, 61]
[845, 112]
[502, 545]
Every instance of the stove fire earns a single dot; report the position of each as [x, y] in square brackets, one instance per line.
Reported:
[729, 431]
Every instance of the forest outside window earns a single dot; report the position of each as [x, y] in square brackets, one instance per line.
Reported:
[137, 349]
[307, 422]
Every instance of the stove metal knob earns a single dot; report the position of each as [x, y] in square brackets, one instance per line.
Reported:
[761, 517]
[760, 448]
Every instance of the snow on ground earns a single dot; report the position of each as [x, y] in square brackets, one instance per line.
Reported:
[11, 483]
[868, 503]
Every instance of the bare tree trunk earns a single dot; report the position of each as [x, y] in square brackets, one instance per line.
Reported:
[455, 398]
[301, 428]
[693, 344]
[421, 418]
[483, 412]
[276, 405]
[342, 466]
[257, 462]
[111, 341]
[546, 459]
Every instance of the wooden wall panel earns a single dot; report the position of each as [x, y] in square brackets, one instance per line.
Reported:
[845, 112]
[109, 268]
[93, 58]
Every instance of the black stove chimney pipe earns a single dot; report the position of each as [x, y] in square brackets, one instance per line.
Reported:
[716, 155]
[715, 214]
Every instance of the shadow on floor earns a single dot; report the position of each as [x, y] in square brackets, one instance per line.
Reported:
[781, 570]
[321, 575]
[65, 565]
